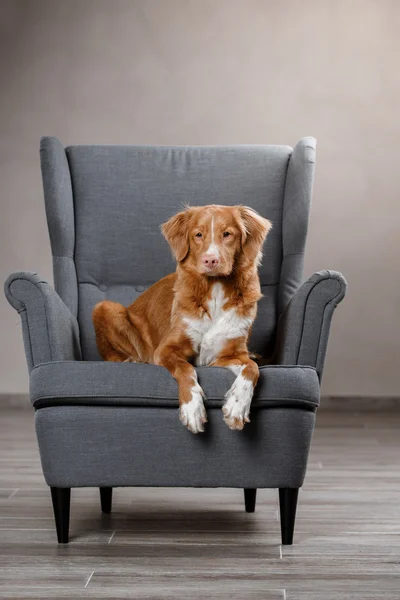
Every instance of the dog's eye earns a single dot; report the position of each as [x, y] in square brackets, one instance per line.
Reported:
[226, 234]
[199, 235]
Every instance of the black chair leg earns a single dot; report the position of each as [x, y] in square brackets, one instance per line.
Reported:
[106, 499]
[61, 498]
[250, 499]
[288, 505]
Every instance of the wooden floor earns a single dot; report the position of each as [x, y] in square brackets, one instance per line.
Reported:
[197, 544]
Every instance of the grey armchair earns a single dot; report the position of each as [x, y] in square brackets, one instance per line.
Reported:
[115, 424]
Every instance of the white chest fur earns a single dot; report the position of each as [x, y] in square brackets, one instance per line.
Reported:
[210, 333]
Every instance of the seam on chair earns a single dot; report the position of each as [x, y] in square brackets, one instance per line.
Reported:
[127, 284]
[47, 322]
[163, 397]
[293, 254]
[331, 301]
[71, 258]
[283, 219]
[132, 284]
[102, 362]
[303, 317]
[302, 322]
[29, 335]
[323, 315]
[26, 279]
[266, 401]
[42, 296]
[73, 195]
[280, 284]
[322, 323]
[320, 333]
[45, 313]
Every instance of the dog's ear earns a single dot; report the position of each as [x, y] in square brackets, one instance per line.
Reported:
[254, 229]
[175, 231]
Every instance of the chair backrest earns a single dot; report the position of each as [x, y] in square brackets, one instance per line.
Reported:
[105, 204]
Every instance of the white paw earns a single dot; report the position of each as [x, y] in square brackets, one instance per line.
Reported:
[238, 400]
[193, 414]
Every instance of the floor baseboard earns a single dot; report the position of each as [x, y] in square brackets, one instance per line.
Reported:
[328, 403]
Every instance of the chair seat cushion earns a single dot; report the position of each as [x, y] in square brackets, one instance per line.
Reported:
[62, 383]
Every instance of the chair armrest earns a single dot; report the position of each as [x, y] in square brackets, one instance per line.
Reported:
[50, 330]
[303, 328]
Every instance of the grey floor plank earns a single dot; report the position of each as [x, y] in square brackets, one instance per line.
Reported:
[172, 543]
[143, 593]
[362, 594]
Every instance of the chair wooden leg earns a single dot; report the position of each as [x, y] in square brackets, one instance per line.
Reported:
[61, 498]
[250, 499]
[106, 499]
[288, 505]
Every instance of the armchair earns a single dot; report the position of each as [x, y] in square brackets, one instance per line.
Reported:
[95, 421]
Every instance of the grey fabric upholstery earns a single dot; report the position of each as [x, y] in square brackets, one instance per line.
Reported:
[59, 204]
[50, 331]
[118, 384]
[104, 446]
[107, 424]
[303, 328]
[296, 209]
[121, 195]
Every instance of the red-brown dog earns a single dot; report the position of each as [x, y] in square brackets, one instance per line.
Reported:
[202, 314]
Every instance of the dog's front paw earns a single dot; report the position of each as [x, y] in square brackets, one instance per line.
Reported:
[236, 409]
[192, 413]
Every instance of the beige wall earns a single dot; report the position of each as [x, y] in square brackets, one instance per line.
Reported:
[215, 72]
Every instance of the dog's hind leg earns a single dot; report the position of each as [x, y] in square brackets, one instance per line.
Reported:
[117, 338]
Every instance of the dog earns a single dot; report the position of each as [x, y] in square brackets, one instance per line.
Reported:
[200, 315]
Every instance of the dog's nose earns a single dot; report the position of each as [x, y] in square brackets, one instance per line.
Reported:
[210, 260]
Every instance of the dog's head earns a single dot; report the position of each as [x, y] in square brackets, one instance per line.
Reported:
[214, 239]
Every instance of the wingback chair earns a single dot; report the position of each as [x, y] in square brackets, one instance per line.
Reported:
[109, 424]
